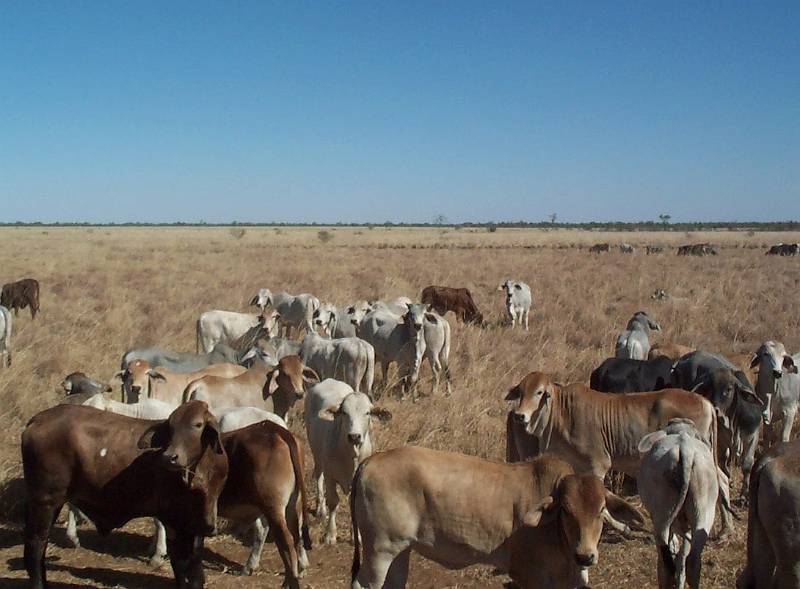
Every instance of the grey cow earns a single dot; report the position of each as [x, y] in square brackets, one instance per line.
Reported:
[349, 359]
[6, 325]
[296, 311]
[634, 342]
[778, 386]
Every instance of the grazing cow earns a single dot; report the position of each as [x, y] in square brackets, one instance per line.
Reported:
[679, 488]
[228, 327]
[458, 300]
[21, 294]
[459, 510]
[784, 249]
[626, 248]
[295, 311]
[105, 464]
[600, 247]
[654, 249]
[402, 339]
[623, 375]
[697, 249]
[181, 361]
[773, 519]
[338, 430]
[634, 342]
[671, 351]
[778, 386]
[6, 326]
[77, 383]
[143, 381]
[351, 360]
[596, 432]
[518, 301]
[275, 388]
[731, 393]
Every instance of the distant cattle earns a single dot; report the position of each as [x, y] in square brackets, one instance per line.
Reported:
[21, 294]
[626, 248]
[654, 249]
[697, 249]
[518, 301]
[784, 249]
[6, 326]
[600, 247]
[458, 300]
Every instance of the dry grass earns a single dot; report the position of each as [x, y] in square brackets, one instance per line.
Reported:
[105, 290]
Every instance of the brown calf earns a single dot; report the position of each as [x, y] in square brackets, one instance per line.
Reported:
[458, 300]
[21, 294]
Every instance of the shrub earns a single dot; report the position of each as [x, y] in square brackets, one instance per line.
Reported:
[324, 236]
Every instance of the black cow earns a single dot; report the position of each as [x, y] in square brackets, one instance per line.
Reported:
[623, 375]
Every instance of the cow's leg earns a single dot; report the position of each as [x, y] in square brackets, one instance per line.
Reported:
[285, 545]
[750, 444]
[39, 519]
[694, 561]
[72, 526]
[319, 477]
[436, 369]
[680, 559]
[294, 520]
[724, 502]
[374, 569]
[398, 571]
[159, 545]
[332, 499]
[788, 422]
[259, 538]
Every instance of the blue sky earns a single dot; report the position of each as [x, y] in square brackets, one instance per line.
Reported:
[374, 111]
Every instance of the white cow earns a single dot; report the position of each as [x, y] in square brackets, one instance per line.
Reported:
[338, 428]
[634, 342]
[518, 301]
[335, 322]
[5, 337]
[778, 386]
[226, 327]
[436, 330]
[351, 360]
[397, 305]
[678, 485]
[296, 311]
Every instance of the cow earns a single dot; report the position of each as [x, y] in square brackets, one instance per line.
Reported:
[338, 430]
[671, 351]
[181, 361]
[600, 247]
[397, 305]
[596, 432]
[116, 468]
[21, 294]
[327, 319]
[697, 249]
[274, 388]
[458, 300]
[634, 342]
[778, 386]
[77, 383]
[730, 391]
[626, 248]
[784, 249]
[660, 294]
[141, 380]
[459, 510]
[295, 311]
[773, 520]
[518, 301]
[654, 249]
[6, 327]
[678, 486]
[402, 339]
[351, 360]
[229, 327]
[623, 375]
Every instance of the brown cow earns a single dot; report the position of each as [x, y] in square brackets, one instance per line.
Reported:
[105, 465]
[596, 431]
[672, 351]
[537, 520]
[21, 294]
[600, 247]
[458, 300]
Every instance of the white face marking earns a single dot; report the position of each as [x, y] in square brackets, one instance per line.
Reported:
[103, 452]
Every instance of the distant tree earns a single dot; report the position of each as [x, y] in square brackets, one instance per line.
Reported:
[439, 219]
[665, 218]
[553, 217]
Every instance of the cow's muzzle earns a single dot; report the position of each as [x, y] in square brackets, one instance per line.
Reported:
[586, 560]
[520, 418]
[354, 439]
[777, 373]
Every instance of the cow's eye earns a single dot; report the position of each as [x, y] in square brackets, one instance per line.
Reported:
[198, 424]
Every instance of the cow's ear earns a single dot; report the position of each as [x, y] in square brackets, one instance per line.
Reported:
[351, 310]
[500, 287]
[156, 436]
[513, 394]
[329, 413]
[541, 513]
[518, 287]
[272, 382]
[755, 361]
[381, 413]
[309, 375]
[211, 437]
[647, 441]
[156, 375]
[254, 301]
[118, 375]
[700, 384]
[66, 385]
[749, 395]
[724, 420]
[621, 510]
[788, 364]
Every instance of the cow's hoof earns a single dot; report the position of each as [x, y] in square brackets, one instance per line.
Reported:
[330, 540]
[156, 562]
[75, 543]
[247, 570]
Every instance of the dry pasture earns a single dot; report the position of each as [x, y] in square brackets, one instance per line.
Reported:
[106, 289]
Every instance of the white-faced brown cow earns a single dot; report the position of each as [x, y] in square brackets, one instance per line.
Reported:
[596, 432]
[537, 521]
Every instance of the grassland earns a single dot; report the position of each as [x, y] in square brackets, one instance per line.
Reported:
[106, 289]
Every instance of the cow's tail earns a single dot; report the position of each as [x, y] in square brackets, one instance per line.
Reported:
[369, 372]
[356, 535]
[197, 330]
[297, 466]
[444, 353]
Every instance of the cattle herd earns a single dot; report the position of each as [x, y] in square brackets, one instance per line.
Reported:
[203, 435]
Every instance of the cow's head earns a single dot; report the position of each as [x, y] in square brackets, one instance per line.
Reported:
[268, 322]
[357, 311]
[355, 412]
[772, 360]
[263, 299]
[643, 319]
[415, 316]
[78, 382]
[531, 394]
[286, 383]
[580, 505]
[722, 386]
[139, 378]
[325, 318]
